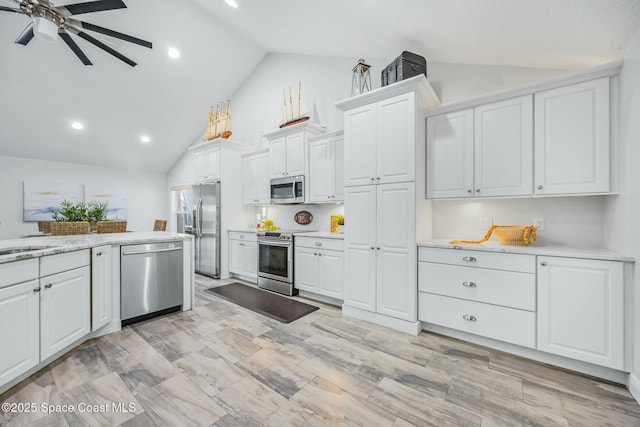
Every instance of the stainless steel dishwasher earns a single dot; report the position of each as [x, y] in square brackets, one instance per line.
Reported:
[150, 280]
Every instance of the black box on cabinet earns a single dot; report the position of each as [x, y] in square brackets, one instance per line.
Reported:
[403, 67]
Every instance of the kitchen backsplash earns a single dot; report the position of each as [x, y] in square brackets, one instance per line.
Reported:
[282, 215]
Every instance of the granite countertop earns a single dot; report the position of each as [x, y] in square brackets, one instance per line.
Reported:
[244, 230]
[60, 244]
[535, 249]
[319, 234]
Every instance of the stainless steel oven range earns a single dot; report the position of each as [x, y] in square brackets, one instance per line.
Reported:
[275, 261]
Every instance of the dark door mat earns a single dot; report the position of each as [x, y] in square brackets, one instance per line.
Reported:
[267, 303]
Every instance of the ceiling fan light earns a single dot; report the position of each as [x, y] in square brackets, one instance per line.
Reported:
[45, 30]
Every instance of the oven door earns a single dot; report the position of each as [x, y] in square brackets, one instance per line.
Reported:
[275, 261]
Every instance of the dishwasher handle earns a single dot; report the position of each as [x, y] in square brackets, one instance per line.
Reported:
[152, 251]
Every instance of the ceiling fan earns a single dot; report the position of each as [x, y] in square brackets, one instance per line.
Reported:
[49, 21]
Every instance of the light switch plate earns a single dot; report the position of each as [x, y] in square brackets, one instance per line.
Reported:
[538, 223]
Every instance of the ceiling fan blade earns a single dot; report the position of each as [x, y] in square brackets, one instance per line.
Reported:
[104, 47]
[26, 35]
[108, 32]
[75, 48]
[10, 9]
[92, 6]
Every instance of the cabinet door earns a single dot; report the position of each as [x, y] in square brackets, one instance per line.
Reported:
[249, 181]
[504, 148]
[572, 139]
[397, 283]
[360, 146]
[450, 155]
[581, 309]
[101, 287]
[213, 163]
[330, 273]
[338, 168]
[19, 329]
[320, 171]
[200, 161]
[262, 182]
[295, 158]
[250, 259]
[359, 243]
[306, 269]
[64, 310]
[278, 158]
[396, 139]
[236, 253]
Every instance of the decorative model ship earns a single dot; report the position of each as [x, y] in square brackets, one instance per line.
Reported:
[291, 115]
[219, 125]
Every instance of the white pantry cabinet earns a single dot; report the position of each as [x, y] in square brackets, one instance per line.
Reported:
[326, 168]
[243, 254]
[486, 151]
[319, 266]
[380, 250]
[288, 155]
[255, 178]
[207, 164]
[572, 139]
[101, 287]
[581, 309]
[381, 141]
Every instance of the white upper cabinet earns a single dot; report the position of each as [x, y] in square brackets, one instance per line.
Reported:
[288, 149]
[326, 168]
[572, 139]
[255, 179]
[207, 164]
[485, 151]
[381, 142]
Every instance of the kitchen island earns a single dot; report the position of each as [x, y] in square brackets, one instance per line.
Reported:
[57, 292]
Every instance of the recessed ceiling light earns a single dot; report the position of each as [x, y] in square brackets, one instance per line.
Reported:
[231, 3]
[145, 139]
[77, 125]
[174, 53]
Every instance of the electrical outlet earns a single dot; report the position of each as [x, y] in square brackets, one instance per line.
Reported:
[539, 223]
[485, 223]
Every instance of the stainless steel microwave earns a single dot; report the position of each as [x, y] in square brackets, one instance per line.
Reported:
[287, 190]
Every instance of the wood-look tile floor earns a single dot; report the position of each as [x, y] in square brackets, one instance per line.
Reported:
[222, 365]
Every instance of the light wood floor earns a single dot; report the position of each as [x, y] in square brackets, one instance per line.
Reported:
[222, 365]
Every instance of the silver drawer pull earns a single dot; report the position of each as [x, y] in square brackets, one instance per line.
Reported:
[469, 259]
[469, 284]
[469, 317]
[318, 243]
[543, 263]
[37, 289]
[48, 285]
[99, 254]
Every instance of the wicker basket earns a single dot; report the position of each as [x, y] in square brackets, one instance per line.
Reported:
[112, 227]
[69, 228]
[517, 235]
[44, 226]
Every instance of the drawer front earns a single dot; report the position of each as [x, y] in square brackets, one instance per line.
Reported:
[492, 321]
[498, 261]
[243, 235]
[506, 288]
[15, 272]
[320, 243]
[54, 264]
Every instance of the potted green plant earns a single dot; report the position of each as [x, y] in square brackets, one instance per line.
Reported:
[71, 218]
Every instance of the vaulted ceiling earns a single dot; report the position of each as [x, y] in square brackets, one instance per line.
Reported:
[44, 88]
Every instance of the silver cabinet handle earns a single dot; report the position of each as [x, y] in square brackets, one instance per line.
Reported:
[543, 263]
[319, 254]
[47, 286]
[469, 317]
[372, 179]
[540, 187]
[469, 284]
[378, 249]
[328, 197]
[37, 289]
[469, 190]
[477, 190]
[99, 254]
[372, 248]
[378, 178]
[469, 259]
[318, 243]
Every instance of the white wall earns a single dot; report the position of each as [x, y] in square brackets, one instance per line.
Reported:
[147, 192]
[623, 211]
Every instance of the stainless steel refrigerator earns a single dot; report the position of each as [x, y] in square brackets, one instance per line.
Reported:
[206, 228]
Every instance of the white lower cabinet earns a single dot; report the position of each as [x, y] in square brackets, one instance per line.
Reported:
[581, 309]
[319, 266]
[101, 287]
[65, 306]
[243, 254]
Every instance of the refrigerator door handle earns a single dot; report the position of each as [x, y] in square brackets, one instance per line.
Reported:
[200, 217]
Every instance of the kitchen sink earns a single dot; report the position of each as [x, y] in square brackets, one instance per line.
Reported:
[19, 250]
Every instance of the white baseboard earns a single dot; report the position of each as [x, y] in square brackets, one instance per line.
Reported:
[634, 386]
[322, 298]
[405, 326]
